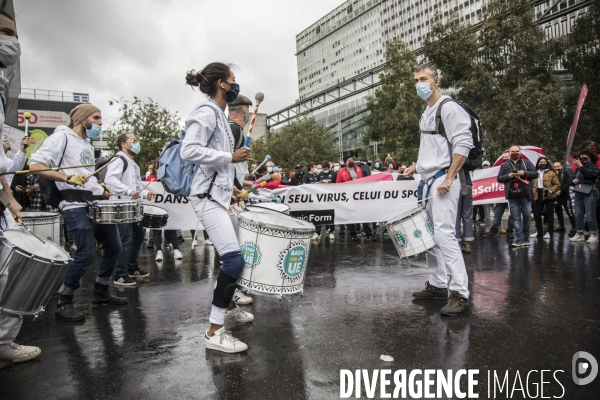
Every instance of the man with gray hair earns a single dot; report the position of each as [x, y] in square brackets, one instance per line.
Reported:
[239, 115]
[441, 156]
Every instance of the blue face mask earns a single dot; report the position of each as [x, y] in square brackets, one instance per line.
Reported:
[94, 132]
[136, 147]
[424, 90]
[377, 165]
[247, 120]
[232, 94]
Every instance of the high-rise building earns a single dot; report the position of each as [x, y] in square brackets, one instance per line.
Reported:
[348, 45]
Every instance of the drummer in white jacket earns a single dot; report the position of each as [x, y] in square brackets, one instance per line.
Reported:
[123, 176]
[209, 143]
[72, 147]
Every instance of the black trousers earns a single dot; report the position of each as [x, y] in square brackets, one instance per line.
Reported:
[564, 203]
[538, 208]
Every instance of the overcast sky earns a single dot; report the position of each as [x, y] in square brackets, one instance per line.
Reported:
[121, 48]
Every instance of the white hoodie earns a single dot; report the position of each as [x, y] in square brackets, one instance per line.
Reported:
[434, 153]
[124, 182]
[78, 151]
[216, 157]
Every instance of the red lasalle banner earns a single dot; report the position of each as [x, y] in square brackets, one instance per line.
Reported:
[486, 188]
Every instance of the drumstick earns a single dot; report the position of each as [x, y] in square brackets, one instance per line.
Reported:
[259, 97]
[102, 167]
[20, 221]
[26, 171]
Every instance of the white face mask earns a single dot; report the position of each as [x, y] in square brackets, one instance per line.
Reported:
[269, 169]
[336, 169]
[10, 51]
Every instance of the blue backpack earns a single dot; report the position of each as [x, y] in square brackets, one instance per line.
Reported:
[176, 174]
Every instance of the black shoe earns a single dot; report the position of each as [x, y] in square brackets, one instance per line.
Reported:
[150, 245]
[456, 305]
[492, 234]
[124, 281]
[354, 237]
[431, 293]
[180, 239]
[370, 237]
[102, 297]
[138, 273]
[560, 229]
[510, 235]
[66, 311]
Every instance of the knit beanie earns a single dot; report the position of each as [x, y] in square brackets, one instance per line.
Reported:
[81, 112]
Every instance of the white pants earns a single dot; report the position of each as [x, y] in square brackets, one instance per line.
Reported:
[219, 223]
[9, 326]
[446, 261]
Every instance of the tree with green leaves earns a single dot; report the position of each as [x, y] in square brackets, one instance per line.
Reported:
[505, 71]
[583, 61]
[302, 141]
[395, 108]
[153, 125]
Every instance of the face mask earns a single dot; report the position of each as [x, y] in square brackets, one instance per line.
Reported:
[558, 171]
[136, 147]
[269, 169]
[325, 171]
[318, 171]
[232, 94]
[94, 131]
[336, 169]
[10, 51]
[543, 166]
[351, 164]
[424, 90]
[247, 119]
[401, 171]
[515, 156]
[584, 162]
[377, 165]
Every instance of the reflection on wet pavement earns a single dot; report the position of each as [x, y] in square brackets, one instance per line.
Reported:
[532, 308]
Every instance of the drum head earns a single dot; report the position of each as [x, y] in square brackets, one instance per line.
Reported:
[154, 210]
[32, 245]
[109, 203]
[276, 221]
[282, 208]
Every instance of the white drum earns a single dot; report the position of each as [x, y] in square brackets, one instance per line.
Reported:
[269, 207]
[43, 224]
[275, 248]
[116, 211]
[30, 272]
[412, 232]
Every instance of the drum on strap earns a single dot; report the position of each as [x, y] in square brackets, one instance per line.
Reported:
[43, 224]
[269, 207]
[412, 232]
[275, 248]
[154, 217]
[115, 211]
[30, 272]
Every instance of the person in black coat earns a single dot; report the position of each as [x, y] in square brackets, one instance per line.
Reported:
[563, 198]
[586, 195]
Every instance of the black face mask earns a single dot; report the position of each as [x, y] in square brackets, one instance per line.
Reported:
[232, 94]
[543, 166]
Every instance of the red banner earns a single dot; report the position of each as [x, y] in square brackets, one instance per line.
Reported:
[573, 130]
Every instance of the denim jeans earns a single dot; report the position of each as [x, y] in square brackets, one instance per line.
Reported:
[498, 213]
[464, 215]
[85, 234]
[585, 206]
[520, 209]
[132, 237]
[487, 208]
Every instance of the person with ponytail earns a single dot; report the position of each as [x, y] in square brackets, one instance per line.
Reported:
[210, 144]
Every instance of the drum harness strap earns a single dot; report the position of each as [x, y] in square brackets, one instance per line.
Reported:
[429, 182]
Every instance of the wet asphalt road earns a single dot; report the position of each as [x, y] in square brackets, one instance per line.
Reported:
[531, 309]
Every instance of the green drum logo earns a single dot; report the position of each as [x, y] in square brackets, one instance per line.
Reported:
[401, 239]
[251, 255]
[292, 261]
[418, 233]
[429, 224]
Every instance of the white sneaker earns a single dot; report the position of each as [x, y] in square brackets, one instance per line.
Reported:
[331, 235]
[208, 242]
[547, 236]
[316, 236]
[533, 235]
[241, 298]
[224, 341]
[238, 315]
[592, 239]
[194, 242]
[577, 238]
[16, 353]
[159, 256]
[177, 254]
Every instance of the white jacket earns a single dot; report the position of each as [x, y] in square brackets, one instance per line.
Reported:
[78, 151]
[124, 182]
[434, 153]
[8, 165]
[216, 157]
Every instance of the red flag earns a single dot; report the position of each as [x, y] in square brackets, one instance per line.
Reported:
[571, 137]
